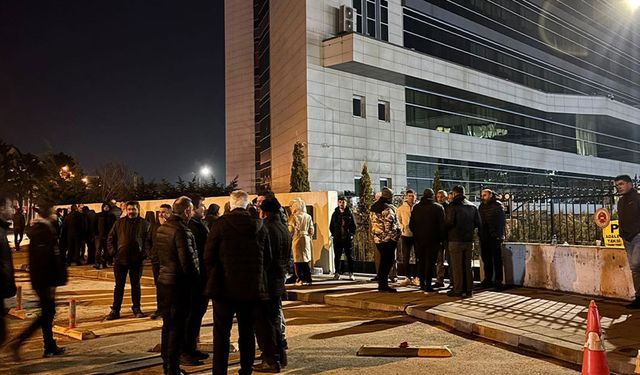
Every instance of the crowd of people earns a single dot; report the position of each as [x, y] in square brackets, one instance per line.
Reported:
[242, 260]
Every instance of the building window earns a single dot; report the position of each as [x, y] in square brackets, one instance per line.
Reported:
[384, 112]
[385, 183]
[372, 18]
[359, 106]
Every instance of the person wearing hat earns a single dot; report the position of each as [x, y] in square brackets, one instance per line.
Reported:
[427, 225]
[270, 323]
[386, 232]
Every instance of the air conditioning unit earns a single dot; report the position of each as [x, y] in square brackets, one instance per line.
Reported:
[345, 19]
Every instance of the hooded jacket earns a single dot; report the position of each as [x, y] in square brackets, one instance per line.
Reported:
[7, 279]
[237, 256]
[384, 222]
[302, 230]
[462, 218]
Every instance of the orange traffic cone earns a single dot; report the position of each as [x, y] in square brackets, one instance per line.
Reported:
[594, 358]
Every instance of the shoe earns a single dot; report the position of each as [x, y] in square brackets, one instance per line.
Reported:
[54, 351]
[375, 278]
[453, 293]
[154, 315]
[485, 284]
[113, 315]
[138, 313]
[351, 277]
[437, 284]
[499, 287]
[200, 355]
[265, 367]
[405, 282]
[336, 276]
[635, 304]
[190, 360]
[387, 290]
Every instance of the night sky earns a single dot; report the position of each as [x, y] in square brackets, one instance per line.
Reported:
[136, 81]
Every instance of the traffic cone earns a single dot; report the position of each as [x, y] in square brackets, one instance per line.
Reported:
[594, 358]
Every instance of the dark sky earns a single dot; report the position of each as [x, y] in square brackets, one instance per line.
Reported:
[137, 81]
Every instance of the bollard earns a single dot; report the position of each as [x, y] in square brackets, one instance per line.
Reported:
[72, 313]
[19, 297]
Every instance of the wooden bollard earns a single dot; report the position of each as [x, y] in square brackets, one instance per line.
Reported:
[72, 313]
[19, 297]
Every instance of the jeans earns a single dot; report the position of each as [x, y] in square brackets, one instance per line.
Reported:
[47, 298]
[491, 253]
[120, 272]
[343, 246]
[461, 253]
[174, 316]
[223, 311]
[633, 255]
[405, 267]
[387, 251]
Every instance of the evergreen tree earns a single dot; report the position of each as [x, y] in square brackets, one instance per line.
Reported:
[366, 191]
[437, 184]
[363, 239]
[299, 174]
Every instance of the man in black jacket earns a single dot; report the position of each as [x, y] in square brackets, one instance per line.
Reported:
[90, 233]
[73, 234]
[427, 225]
[179, 275]
[164, 213]
[462, 218]
[198, 301]
[342, 228]
[7, 279]
[237, 257]
[104, 222]
[629, 216]
[47, 270]
[270, 327]
[128, 244]
[491, 237]
[19, 223]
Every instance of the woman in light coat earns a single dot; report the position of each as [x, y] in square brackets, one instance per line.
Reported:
[301, 228]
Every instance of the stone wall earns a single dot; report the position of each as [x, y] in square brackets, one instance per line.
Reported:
[590, 270]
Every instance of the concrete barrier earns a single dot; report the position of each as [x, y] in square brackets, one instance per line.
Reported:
[590, 270]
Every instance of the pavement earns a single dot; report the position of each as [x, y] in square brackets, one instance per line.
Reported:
[538, 321]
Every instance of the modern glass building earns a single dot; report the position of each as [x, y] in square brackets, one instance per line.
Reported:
[506, 94]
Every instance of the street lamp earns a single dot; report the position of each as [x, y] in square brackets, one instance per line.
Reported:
[205, 171]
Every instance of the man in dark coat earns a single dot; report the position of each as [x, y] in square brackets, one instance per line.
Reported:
[462, 218]
[198, 301]
[164, 213]
[342, 228]
[104, 222]
[128, 245]
[73, 233]
[179, 274]
[237, 257]
[90, 233]
[270, 325]
[491, 237]
[7, 279]
[19, 222]
[629, 216]
[44, 257]
[427, 226]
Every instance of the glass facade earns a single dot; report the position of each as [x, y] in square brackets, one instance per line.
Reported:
[500, 178]
[372, 18]
[551, 47]
[262, 96]
[442, 108]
